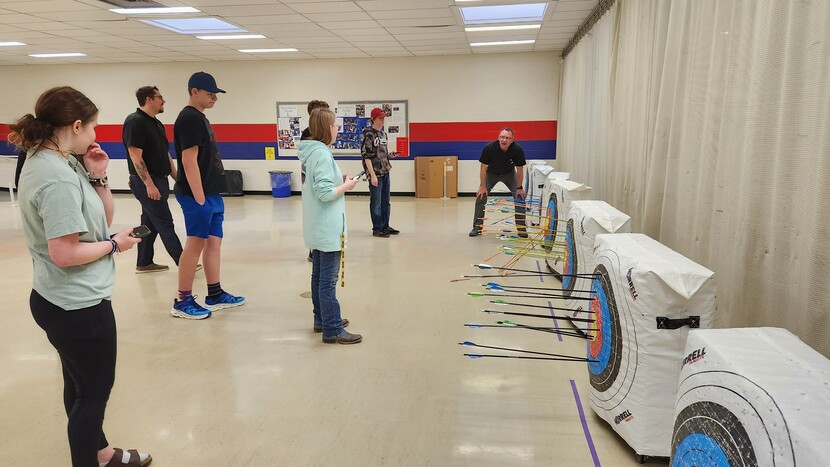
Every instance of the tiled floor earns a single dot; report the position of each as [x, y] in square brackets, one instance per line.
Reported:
[254, 386]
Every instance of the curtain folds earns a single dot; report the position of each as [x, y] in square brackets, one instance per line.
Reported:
[707, 122]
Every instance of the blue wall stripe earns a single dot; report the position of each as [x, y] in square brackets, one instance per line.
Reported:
[471, 150]
[465, 150]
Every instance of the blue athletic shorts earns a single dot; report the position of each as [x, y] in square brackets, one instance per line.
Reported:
[205, 220]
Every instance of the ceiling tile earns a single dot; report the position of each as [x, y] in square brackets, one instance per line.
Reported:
[323, 7]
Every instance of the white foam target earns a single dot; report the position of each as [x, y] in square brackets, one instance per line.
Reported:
[751, 397]
[641, 291]
[535, 183]
[560, 194]
[586, 220]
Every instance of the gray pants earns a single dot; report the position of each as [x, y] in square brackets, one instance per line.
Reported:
[509, 180]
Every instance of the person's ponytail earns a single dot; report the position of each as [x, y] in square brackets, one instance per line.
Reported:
[29, 131]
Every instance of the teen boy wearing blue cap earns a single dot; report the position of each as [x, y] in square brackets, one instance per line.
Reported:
[201, 179]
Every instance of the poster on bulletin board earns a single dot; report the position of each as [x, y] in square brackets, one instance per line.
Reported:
[351, 118]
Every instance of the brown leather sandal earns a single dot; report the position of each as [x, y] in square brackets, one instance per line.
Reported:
[134, 459]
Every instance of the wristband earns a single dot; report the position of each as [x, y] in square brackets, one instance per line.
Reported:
[98, 182]
[114, 247]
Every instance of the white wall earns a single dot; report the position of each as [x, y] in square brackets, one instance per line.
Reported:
[458, 88]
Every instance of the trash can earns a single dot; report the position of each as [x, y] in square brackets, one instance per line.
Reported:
[280, 183]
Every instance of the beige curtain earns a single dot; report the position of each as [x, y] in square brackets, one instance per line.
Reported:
[707, 121]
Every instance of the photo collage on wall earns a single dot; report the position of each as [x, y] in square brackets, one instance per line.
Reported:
[351, 118]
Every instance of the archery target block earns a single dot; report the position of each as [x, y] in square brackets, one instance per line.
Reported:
[548, 203]
[634, 380]
[586, 220]
[547, 185]
[537, 174]
[562, 192]
[751, 397]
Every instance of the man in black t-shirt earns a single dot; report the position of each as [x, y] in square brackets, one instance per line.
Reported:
[501, 161]
[201, 179]
[149, 164]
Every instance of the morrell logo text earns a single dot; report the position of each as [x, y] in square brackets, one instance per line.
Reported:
[631, 288]
[623, 417]
[695, 356]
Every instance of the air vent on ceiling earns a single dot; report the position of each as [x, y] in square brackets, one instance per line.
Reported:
[134, 3]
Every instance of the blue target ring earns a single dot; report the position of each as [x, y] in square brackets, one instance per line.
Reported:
[698, 450]
[553, 216]
[568, 281]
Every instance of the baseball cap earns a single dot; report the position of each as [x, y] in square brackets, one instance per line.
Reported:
[203, 81]
[378, 112]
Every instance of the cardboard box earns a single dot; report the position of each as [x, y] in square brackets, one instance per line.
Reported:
[429, 176]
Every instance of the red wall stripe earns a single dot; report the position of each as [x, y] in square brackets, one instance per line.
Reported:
[225, 132]
[481, 131]
[543, 130]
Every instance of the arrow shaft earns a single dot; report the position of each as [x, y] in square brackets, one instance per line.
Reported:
[519, 357]
[535, 315]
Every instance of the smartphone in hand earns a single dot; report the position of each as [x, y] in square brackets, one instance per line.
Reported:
[356, 177]
[140, 232]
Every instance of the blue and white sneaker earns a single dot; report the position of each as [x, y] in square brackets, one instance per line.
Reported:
[224, 300]
[189, 309]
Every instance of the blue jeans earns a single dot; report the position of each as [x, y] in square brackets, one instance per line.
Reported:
[325, 269]
[379, 205]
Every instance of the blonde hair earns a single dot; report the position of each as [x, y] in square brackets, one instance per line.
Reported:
[319, 124]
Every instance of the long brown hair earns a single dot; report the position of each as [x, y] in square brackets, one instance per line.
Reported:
[319, 124]
[54, 109]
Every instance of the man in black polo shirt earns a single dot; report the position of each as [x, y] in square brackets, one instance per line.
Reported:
[149, 163]
[501, 161]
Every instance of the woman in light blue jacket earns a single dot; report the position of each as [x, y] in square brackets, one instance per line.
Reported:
[324, 225]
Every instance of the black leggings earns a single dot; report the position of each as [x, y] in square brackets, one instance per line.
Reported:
[85, 341]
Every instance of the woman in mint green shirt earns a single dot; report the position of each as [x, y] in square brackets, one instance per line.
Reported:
[67, 208]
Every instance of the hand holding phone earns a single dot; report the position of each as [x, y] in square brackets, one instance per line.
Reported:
[357, 177]
[140, 232]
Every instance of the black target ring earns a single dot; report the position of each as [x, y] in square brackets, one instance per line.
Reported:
[605, 346]
[553, 217]
[708, 434]
[725, 416]
[571, 266]
[613, 376]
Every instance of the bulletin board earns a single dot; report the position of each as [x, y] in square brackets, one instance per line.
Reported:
[352, 118]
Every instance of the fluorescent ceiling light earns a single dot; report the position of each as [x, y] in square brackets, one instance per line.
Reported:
[503, 28]
[481, 44]
[154, 11]
[233, 36]
[68, 54]
[9, 44]
[259, 51]
[195, 25]
[503, 13]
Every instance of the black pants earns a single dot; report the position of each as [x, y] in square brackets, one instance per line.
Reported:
[155, 215]
[85, 341]
[509, 180]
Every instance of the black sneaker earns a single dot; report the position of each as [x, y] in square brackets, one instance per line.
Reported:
[393, 231]
[345, 338]
[380, 233]
[475, 233]
[345, 323]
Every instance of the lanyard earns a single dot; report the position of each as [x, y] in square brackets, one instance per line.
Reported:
[342, 259]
